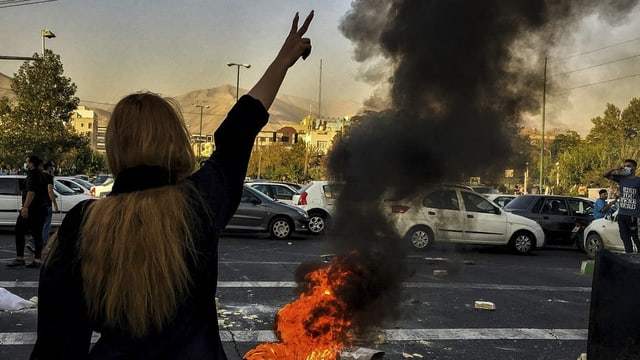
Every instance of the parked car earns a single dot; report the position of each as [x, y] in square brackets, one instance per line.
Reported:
[275, 190]
[453, 214]
[318, 199]
[76, 184]
[103, 179]
[501, 199]
[102, 185]
[258, 213]
[563, 218]
[11, 187]
[602, 234]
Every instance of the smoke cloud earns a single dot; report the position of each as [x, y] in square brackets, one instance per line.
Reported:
[462, 75]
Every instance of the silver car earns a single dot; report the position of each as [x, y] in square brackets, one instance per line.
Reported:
[259, 213]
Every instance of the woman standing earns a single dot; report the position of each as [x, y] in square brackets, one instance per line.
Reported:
[140, 266]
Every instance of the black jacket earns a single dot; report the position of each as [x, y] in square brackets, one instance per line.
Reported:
[64, 329]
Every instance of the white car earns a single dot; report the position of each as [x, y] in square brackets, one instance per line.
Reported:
[603, 234]
[102, 185]
[76, 184]
[11, 187]
[501, 199]
[453, 214]
[318, 199]
[275, 190]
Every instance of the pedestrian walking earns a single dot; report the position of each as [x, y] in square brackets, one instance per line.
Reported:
[32, 214]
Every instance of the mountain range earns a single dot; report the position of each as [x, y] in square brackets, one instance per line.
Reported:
[285, 111]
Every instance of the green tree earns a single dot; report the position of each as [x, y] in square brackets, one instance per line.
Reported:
[45, 100]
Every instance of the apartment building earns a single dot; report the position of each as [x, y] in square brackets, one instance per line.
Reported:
[85, 122]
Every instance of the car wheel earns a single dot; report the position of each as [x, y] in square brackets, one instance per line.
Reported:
[420, 237]
[281, 228]
[317, 222]
[522, 242]
[593, 244]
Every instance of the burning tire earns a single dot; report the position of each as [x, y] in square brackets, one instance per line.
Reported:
[522, 242]
[317, 222]
[281, 228]
[593, 244]
[420, 237]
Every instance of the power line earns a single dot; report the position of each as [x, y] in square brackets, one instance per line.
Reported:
[597, 65]
[598, 49]
[595, 83]
[14, 3]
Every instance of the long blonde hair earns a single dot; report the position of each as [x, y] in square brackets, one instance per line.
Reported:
[134, 246]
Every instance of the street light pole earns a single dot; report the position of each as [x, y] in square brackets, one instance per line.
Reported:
[238, 76]
[46, 34]
[200, 136]
[544, 100]
[557, 174]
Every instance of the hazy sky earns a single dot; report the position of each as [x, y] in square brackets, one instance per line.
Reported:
[113, 47]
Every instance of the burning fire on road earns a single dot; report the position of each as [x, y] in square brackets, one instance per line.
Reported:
[325, 317]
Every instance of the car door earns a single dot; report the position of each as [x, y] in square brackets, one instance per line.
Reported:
[441, 209]
[250, 214]
[10, 200]
[556, 220]
[484, 222]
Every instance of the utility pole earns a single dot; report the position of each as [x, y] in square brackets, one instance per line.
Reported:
[200, 136]
[544, 98]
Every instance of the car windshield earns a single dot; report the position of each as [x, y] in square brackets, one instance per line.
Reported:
[62, 189]
[101, 179]
[520, 203]
[84, 183]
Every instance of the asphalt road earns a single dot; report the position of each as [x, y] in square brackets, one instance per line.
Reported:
[542, 301]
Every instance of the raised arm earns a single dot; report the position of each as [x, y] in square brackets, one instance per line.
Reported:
[294, 47]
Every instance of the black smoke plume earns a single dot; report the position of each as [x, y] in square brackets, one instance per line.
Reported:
[461, 75]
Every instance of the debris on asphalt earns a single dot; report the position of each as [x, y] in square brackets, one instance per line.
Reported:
[410, 356]
[361, 353]
[485, 305]
[582, 356]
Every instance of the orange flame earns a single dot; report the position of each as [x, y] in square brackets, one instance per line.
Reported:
[315, 326]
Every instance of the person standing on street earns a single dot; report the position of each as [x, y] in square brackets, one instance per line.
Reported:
[603, 208]
[52, 203]
[628, 202]
[141, 265]
[32, 214]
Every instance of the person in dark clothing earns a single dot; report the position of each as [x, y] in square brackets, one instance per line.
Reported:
[32, 214]
[140, 266]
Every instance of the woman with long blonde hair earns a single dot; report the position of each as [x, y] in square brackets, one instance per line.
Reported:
[140, 266]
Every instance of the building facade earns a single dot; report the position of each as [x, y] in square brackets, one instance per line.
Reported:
[85, 122]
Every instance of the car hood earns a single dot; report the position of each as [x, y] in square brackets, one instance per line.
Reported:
[521, 220]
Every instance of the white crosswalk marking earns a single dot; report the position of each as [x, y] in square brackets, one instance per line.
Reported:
[260, 336]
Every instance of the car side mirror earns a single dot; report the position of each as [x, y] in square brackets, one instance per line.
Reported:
[255, 201]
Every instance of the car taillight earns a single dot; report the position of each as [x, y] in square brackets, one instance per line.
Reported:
[303, 198]
[399, 209]
[93, 191]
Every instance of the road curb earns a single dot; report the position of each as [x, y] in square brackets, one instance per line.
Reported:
[587, 267]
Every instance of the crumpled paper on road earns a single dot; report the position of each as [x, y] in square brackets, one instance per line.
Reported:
[12, 302]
